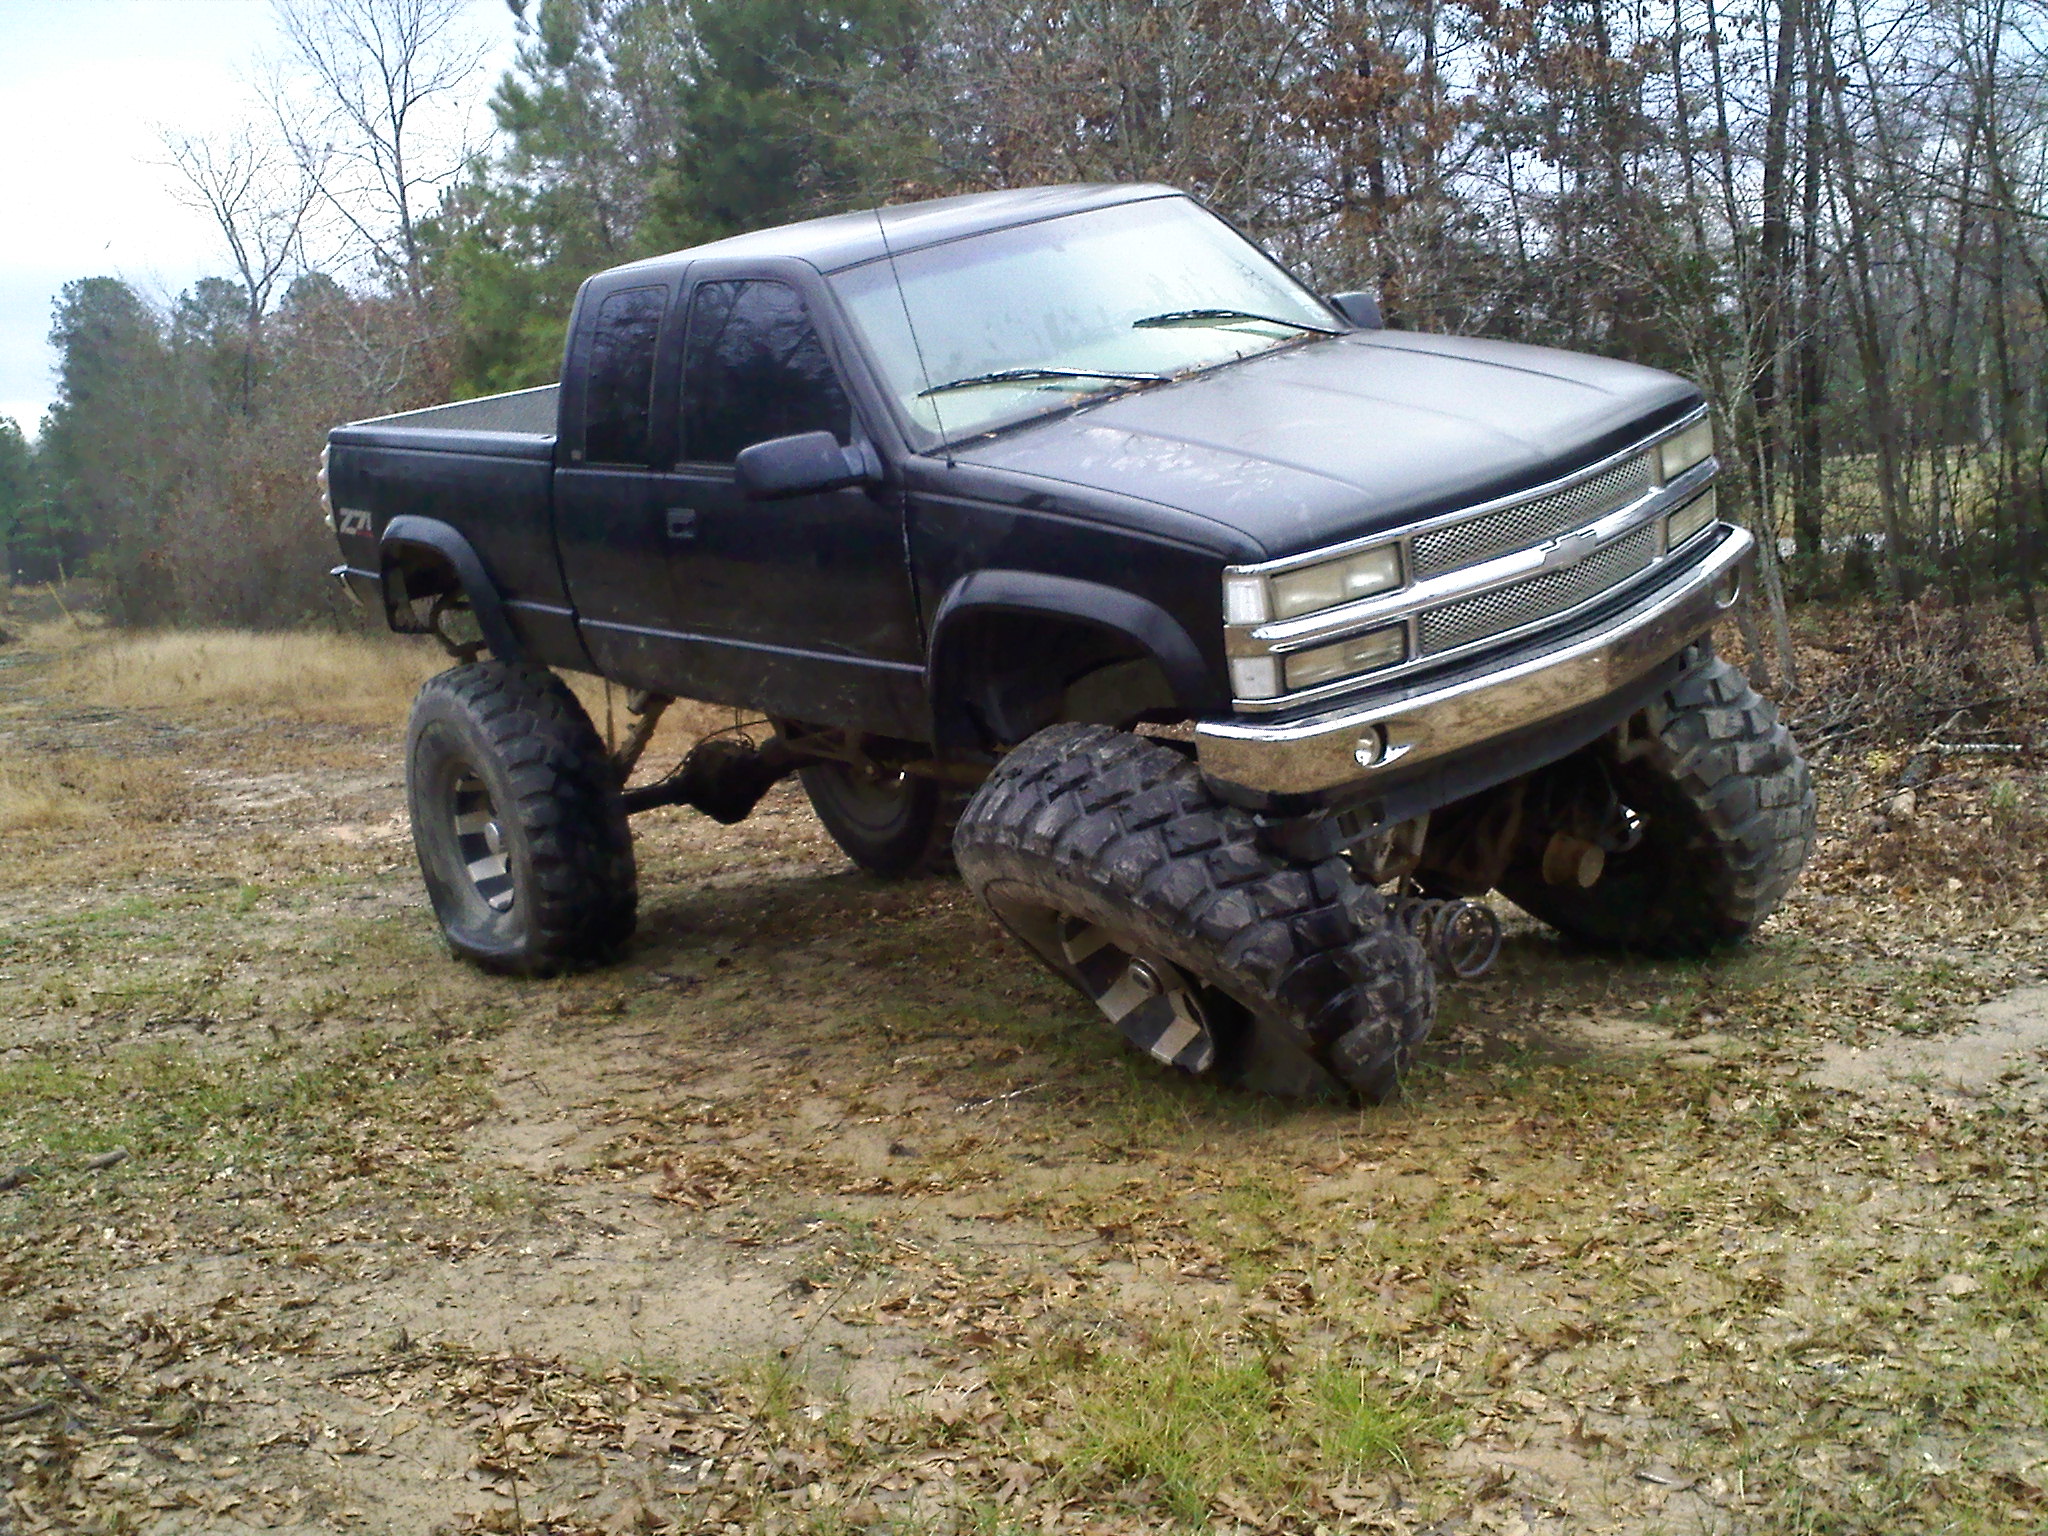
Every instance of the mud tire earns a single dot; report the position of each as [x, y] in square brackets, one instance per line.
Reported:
[549, 814]
[892, 829]
[1728, 820]
[1308, 990]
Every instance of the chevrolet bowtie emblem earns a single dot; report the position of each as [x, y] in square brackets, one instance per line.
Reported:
[1567, 548]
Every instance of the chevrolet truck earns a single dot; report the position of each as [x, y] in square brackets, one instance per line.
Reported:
[1231, 646]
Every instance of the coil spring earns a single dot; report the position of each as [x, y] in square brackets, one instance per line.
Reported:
[1460, 937]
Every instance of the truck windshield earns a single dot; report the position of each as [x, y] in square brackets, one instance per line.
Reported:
[1020, 322]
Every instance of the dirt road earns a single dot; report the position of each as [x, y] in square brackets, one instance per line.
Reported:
[824, 1212]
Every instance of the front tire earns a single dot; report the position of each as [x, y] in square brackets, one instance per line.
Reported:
[891, 826]
[1106, 854]
[1726, 813]
[516, 816]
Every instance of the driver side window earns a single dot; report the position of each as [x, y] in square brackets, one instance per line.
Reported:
[754, 368]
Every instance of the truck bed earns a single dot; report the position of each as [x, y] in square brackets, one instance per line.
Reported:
[518, 425]
[483, 468]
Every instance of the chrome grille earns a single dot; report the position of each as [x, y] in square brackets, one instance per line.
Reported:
[1525, 602]
[1519, 527]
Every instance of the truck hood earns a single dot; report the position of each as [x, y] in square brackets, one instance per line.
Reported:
[1361, 434]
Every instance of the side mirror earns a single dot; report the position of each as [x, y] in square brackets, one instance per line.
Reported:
[803, 465]
[1361, 309]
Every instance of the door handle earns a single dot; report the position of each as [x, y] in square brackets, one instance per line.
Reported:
[682, 522]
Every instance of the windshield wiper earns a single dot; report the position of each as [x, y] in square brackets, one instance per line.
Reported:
[1029, 375]
[1225, 317]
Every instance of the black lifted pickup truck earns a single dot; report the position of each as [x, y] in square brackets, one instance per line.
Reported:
[1231, 645]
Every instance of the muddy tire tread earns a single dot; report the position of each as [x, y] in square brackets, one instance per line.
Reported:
[1306, 948]
[566, 797]
[1725, 751]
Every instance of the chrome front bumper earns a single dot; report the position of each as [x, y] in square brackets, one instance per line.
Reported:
[1353, 746]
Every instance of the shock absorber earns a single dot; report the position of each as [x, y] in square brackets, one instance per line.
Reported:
[1461, 937]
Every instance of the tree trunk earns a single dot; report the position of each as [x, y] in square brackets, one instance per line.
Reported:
[1871, 351]
[1809, 529]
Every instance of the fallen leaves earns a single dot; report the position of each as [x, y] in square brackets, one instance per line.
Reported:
[1653, 1274]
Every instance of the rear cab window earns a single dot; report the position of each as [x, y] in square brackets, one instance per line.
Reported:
[619, 377]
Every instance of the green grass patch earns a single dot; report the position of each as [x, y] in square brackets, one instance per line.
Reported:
[175, 1111]
[1184, 1415]
[1358, 1425]
[1182, 1419]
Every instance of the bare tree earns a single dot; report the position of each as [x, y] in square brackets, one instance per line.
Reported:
[259, 195]
[386, 74]
[1832, 213]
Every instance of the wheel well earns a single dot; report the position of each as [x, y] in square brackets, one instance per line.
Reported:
[412, 572]
[424, 564]
[424, 594]
[1002, 676]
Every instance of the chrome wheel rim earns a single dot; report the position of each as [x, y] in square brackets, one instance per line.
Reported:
[1150, 1002]
[480, 842]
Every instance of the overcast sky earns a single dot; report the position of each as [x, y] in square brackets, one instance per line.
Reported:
[88, 85]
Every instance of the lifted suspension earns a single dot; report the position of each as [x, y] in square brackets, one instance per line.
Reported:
[1460, 936]
[725, 776]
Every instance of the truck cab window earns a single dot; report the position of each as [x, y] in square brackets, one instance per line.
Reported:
[755, 369]
[620, 375]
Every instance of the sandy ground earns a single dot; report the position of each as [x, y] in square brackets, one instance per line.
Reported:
[824, 1211]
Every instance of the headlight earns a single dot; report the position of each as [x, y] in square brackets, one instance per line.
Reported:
[1251, 599]
[1335, 582]
[1679, 452]
[1361, 653]
[1690, 519]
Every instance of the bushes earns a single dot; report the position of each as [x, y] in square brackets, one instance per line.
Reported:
[183, 446]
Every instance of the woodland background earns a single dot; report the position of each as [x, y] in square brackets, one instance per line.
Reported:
[1832, 213]
[817, 1213]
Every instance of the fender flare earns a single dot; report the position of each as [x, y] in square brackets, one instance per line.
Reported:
[411, 531]
[1143, 623]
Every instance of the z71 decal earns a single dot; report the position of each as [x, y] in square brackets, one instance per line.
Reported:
[351, 520]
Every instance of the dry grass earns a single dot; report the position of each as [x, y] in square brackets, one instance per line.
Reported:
[683, 725]
[311, 677]
[32, 800]
[59, 635]
[821, 1211]
[337, 679]
[47, 792]
[50, 619]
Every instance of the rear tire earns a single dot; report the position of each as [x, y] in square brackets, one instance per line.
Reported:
[522, 837]
[890, 827]
[1106, 854]
[1726, 808]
